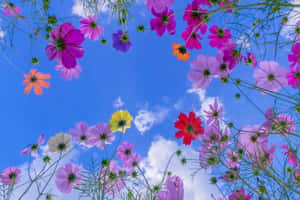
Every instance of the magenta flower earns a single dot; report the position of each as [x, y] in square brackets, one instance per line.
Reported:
[251, 59]
[253, 140]
[158, 5]
[10, 175]
[214, 113]
[295, 57]
[81, 134]
[223, 68]
[270, 76]
[232, 159]
[90, 29]
[175, 189]
[132, 162]
[65, 45]
[125, 151]
[265, 157]
[296, 177]
[68, 73]
[163, 21]
[203, 70]
[191, 38]
[219, 37]
[239, 195]
[193, 15]
[121, 41]
[33, 148]
[203, 2]
[101, 135]
[68, 177]
[290, 153]
[231, 55]
[10, 10]
[293, 77]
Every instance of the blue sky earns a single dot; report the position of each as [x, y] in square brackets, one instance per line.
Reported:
[147, 78]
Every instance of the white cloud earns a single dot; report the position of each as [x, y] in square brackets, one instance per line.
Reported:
[145, 119]
[244, 42]
[118, 103]
[80, 8]
[199, 92]
[293, 17]
[195, 188]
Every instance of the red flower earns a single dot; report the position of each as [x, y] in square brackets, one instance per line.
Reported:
[189, 127]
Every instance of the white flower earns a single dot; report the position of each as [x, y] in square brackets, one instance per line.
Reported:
[60, 143]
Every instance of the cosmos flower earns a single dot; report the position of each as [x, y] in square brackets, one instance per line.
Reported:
[125, 151]
[204, 2]
[68, 177]
[68, 73]
[33, 148]
[212, 134]
[208, 156]
[296, 177]
[293, 77]
[223, 69]
[231, 175]
[290, 153]
[10, 9]
[101, 135]
[10, 175]
[181, 52]
[264, 157]
[219, 37]
[81, 134]
[90, 29]
[232, 159]
[174, 187]
[203, 70]
[158, 5]
[191, 38]
[132, 162]
[251, 59]
[214, 113]
[120, 121]
[193, 15]
[270, 76]
[283, 123]
[121, 41]
[163, 21]
[294, 57]
[60, 143]
[36, 80]
[64, 45]
[189, 127]
[239, 195]
[231, 55]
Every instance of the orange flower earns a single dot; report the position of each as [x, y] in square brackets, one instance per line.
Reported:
[36, 81]
[181, 52]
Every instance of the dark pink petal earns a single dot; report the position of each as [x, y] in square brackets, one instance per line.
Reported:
[74, 37]
[51, 51]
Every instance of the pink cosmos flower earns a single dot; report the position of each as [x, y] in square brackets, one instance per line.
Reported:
[264, 158]
[81, 134]
[174, 186]
[33, 148]
[231, 55]
[251, 59]
[163, 21]
[101, 135]
[132, 162]
[231, 175]
[203, 2]
[10, 175]
[253, 140]
[296, 177]
[68, 73]
[214, 113]
[162, 195]
[10, 10]
[90, 29]
[158, 5]
[283, 124]
[203, 70]
[125, 151]
[295, 57]
[270, 76]
[212, 134]
[193, 15]
[219, 37]
[65, 45]
[223, 68]
[191, 38]
[269, 115]
[232, 159]
[239, 195]
[293, 77]
[68, 177]
[208, 156]
[290, 153]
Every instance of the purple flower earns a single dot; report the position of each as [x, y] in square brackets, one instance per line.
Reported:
[81, 134]
[101, 135]
[68, 73]
[214, 113]
[33, 148]
[65, 45]
[270, 76]
[121, 41]
[158, 5]
[90, 29]
[264, 157]
[68, 177]
[294, 58]
[125, 151]
[283, 124]
[291, 154]
[132, 162]
[10, 10]
[212, 134]
[232, 159]
[10, 175]
[174, 186]
[163, 21]
[203, 70]
[223, 69]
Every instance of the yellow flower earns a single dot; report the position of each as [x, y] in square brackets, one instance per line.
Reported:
[120, 121]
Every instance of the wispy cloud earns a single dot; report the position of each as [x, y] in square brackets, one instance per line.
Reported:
[293, 17]
[118, 103]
